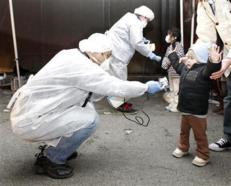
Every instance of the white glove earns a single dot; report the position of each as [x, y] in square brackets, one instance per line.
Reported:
[153, 87]
[154, 57]
[163, 83]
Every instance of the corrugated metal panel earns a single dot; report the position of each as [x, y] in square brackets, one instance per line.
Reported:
[44, 27]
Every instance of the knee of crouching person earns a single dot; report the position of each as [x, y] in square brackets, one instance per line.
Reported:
[95, 122]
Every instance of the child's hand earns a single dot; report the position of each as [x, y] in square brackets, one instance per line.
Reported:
[183, 59]
[171, 50]
[215, 54]
[224, 66]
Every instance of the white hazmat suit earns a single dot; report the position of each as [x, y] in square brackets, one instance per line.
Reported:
[49, 106]
[126, 36]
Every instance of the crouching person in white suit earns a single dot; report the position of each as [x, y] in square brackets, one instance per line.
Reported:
[55, 106]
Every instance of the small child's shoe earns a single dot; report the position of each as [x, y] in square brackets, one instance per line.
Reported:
[173, 109]
[167, 107]
[199, 161]
[168, 97]
[177, 153]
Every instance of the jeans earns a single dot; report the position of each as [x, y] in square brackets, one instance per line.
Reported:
[68, 145]
[227, 109]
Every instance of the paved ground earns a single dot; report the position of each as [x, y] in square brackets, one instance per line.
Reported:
[114, 156]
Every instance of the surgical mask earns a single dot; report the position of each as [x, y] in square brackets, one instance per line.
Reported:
[168, 39]
[95, 60]
[144, 23]
[105, 65]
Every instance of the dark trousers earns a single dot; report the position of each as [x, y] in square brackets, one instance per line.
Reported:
[199, 126]
[227, 109]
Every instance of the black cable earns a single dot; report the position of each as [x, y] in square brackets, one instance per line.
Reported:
[138, 119]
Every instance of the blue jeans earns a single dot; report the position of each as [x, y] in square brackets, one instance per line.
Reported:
[227, 109]
[68, 145]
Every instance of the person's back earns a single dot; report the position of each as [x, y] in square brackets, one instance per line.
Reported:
[55, 81]
[126, 36]
[122, 37]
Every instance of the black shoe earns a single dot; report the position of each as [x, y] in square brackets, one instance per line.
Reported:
[74, 155]
[221, 145]
[58, 171]
[44, 166]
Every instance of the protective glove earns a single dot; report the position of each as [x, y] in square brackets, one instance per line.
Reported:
[154, 57]
[146, 41]
[163, 83]
[152, 46]
[153, 87]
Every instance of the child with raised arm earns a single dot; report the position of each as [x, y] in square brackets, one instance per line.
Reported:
[195, 84]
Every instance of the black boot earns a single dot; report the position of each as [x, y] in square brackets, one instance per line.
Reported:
[74, 155]
[58, 171]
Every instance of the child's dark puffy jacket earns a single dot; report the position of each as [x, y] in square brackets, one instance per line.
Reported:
[195, 85]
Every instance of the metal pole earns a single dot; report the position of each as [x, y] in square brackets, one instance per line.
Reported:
[14, 41]
[182, 21]
[192, 23]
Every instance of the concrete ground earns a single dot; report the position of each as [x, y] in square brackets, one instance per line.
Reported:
[120, 152]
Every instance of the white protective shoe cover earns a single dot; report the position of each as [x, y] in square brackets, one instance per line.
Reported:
[177, 153]
[199, 162]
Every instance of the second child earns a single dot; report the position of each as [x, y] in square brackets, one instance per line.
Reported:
[173, 39]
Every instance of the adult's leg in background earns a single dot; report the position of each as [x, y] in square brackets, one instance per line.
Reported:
[227, 110]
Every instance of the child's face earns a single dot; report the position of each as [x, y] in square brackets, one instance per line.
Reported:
[189, 59]
[170, 38]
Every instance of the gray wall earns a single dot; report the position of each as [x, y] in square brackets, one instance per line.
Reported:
[44, 27]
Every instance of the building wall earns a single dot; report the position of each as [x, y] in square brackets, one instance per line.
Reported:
[44, 27]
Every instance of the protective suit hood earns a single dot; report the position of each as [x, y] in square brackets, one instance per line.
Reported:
[144, 11]
[96, 43]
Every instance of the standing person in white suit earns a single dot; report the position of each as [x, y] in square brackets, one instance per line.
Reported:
[55, 107]
[127, 37]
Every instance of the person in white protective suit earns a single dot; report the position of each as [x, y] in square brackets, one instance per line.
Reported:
[55, 106]
[127, 37]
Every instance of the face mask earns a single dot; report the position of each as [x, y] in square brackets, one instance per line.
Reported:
[105, 65]
[94, 59]
[144, 23]
[168, 39]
